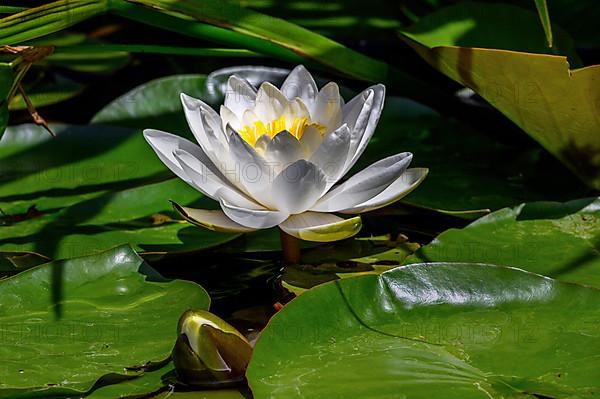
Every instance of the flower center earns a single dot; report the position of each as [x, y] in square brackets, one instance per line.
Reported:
[296, 127]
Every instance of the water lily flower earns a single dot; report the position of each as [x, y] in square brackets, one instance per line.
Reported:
[276, 156]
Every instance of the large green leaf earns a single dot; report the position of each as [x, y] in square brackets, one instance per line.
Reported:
[554, 239]
[156, 104]
[433, 330]
[67, 324]
[555, 105]
[141, 216]
[83, 191]
[79, 163]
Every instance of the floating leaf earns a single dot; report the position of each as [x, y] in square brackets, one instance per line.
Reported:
[560, 240]
[141, 216]
[433, 330]
[67, 324]
[156, 104]
[49, 173]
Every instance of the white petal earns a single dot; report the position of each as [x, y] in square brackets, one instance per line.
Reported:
[164, 144]
[270, 103]
[240, 95]
[206, 126]
[327, 108]
[300, 83]
[252, 218]
[322, 227]
[400, 188]
[229, 118]
[212, 185]
[213, 220]
[283, 150]
[295, 109]
[332, 154]
[362, 115]
[298, 187]
[249, 170]
[261, 144]
[364, 185]
[310, 141]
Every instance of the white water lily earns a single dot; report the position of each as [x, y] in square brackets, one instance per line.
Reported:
[275, 157]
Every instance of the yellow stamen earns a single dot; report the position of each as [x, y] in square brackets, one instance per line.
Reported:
[250, 133]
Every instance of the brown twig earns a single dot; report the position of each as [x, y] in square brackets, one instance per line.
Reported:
[28, 56]
[37, 118]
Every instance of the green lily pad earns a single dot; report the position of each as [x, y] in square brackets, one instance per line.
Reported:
[560, 240]
[433, 330]
[60, 202]
[68, 325]
[80, 163]
[141, 216]
[156, 104]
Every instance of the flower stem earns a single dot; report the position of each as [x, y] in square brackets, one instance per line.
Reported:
[290, 247]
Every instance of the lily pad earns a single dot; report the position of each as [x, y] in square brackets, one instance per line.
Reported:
[141, 216]
[560, 240]
[80, 163]
[68, 325]
[433, 330]
[557, 106]
[155, 104]
[61, 203]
